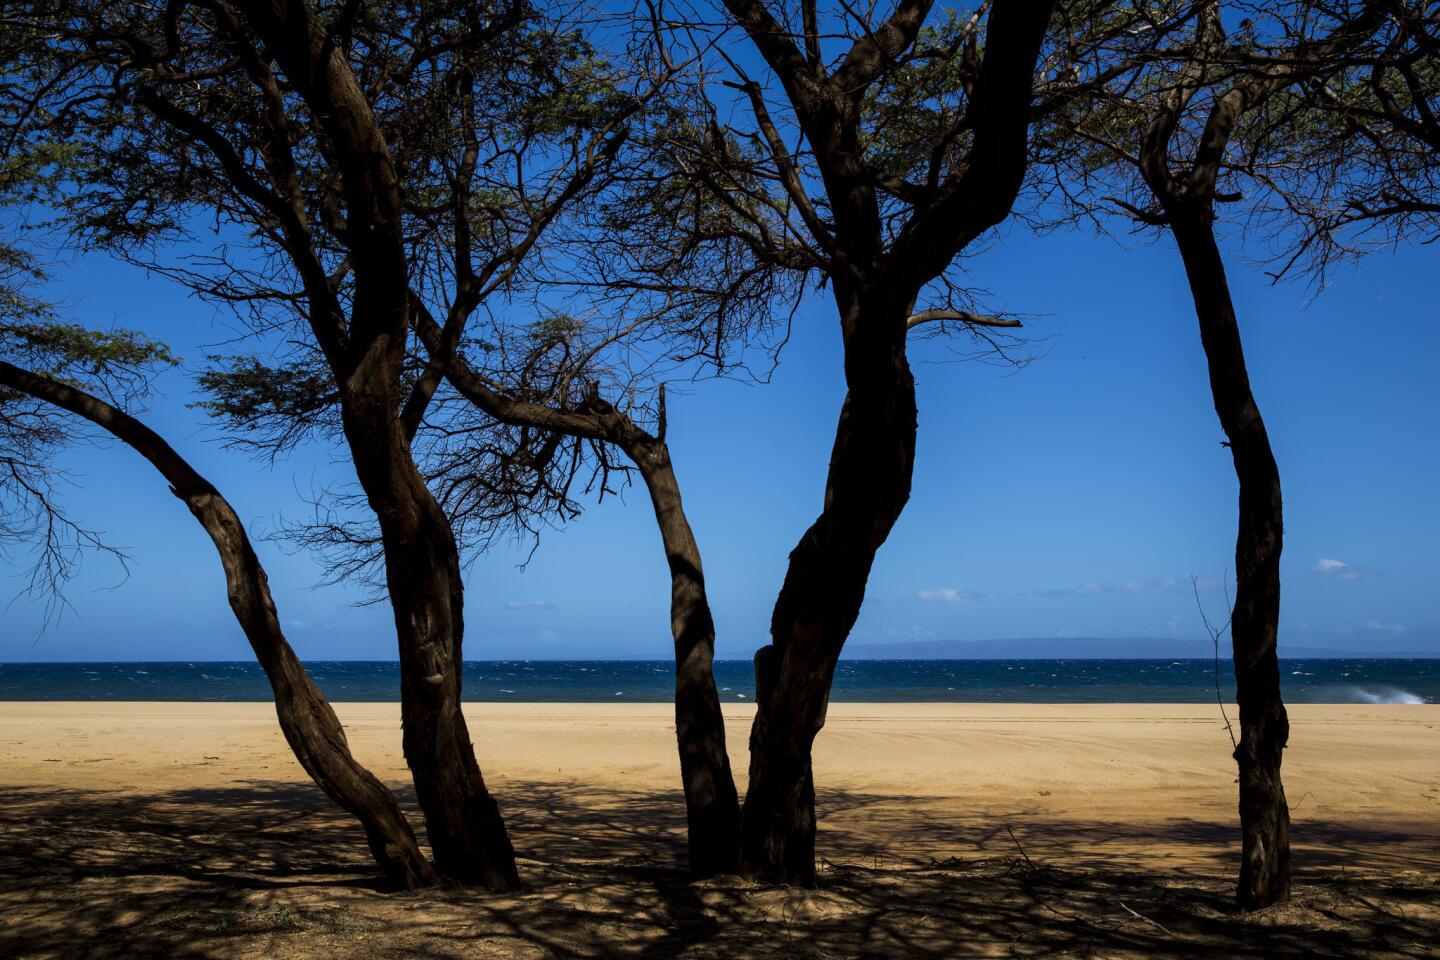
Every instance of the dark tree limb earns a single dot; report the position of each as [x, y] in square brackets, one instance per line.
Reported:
[309, 724]
[711, 800]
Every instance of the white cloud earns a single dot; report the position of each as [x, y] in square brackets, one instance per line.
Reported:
[1343, 570]
[947, 595]
[912, 632]
[1096, 588]
[535, 604]
[1373, 626]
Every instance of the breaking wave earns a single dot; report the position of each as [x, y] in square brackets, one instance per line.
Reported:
[1383, 695]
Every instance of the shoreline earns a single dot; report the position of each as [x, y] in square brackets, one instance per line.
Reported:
[1060, 682]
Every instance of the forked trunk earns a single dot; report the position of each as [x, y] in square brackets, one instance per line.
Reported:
[866, 489]
[364, 343]
[1264, 727]
[467, 835]
[310, 725]
[712, 806]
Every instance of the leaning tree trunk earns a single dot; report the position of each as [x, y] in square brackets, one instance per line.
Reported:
[712, 806]
[310, 725]
[866, 489]
[1264, 727]
[467, 834]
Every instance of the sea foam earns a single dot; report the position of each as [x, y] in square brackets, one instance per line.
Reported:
[1383, 695]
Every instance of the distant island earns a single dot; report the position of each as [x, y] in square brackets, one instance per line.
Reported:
[1095, 648]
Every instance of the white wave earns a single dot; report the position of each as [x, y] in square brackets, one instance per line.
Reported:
[1383, 695]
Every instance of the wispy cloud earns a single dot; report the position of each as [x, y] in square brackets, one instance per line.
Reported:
[1373, 626]
[1343, 570]
[1096, 588]
[912, 632]
[535, 604]
[947, 595]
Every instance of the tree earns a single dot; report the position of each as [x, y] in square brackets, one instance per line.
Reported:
[310, 726]
[386, 166]
[118, 364]
[278, 121]
[741, 215]
[711, 801]
[1213, 114]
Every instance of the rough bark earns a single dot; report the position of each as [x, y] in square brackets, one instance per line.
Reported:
[875, 278]
[1264, 727]
[422, 571]
[711, 800]
[712, 806]
[310, 725]
[866, 489]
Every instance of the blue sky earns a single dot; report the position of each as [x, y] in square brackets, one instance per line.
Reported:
[1071, 499]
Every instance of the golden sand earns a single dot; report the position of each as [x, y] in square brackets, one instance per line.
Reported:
[946, 830]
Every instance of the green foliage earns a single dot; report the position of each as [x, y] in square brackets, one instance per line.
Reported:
[245, 388]
[69, 351]
[275, 406]
[554, 328]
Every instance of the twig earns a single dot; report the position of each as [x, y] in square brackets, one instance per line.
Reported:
[1215, 639]
[1137, 916]
[1028, 861]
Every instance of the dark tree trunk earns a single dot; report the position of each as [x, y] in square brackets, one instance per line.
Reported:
[310, 725]
[467, 834]
[712, 805]
[1264, 727]
[422, 568]
[866, 489]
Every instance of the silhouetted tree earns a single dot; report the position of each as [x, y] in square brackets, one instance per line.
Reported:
[118, 364]
[385, 166]
[1248, 104]
[871, 187]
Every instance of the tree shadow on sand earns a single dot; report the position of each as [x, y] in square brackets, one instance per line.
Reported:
[271, 869]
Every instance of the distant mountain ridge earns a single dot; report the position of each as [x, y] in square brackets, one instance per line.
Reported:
[1093, 648]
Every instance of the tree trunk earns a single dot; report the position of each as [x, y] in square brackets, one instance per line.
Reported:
[467, 834]
[712, 806]
[310, 725]
[1264, 727]
[422, 568]
[866, 489]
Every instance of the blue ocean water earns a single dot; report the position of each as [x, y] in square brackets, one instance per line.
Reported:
[876, 681]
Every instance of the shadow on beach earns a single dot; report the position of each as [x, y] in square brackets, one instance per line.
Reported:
[272, 870]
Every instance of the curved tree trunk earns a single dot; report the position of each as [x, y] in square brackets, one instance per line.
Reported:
[422, 571]
[866, 489]
[712, 805]
[1264, 727]
[310, 725]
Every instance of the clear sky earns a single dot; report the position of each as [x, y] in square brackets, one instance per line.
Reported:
[1067, 500]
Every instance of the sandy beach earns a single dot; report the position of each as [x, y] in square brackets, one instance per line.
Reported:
[187, 829]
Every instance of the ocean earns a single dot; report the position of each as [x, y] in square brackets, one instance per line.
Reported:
[651, 681]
